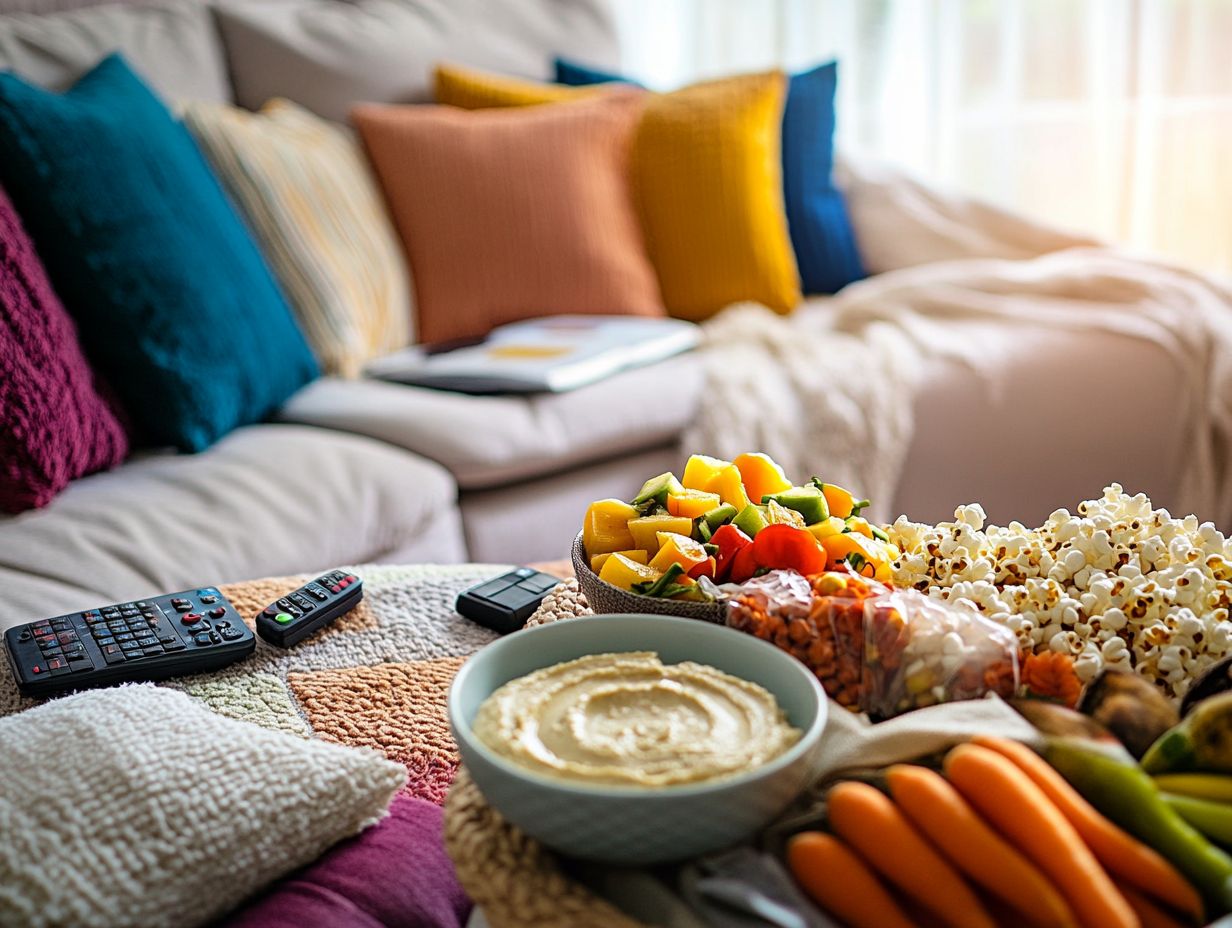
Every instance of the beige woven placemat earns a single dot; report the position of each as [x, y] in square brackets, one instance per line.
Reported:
[515, 880]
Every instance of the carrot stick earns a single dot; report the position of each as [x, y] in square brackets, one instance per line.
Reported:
[942, 816]
[1017, 808]
[1122, 855]
[872, 825]
[841, 883]
[1150, 913]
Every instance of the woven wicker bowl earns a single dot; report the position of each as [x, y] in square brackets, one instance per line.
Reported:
[606, 599]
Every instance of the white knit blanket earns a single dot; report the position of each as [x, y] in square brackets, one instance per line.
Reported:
[830, 389]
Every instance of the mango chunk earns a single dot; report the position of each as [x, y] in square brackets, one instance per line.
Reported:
[700, 469]
[645, 531]
[597, 562]
[730, 487]
[606, 527]
[691, 503]
[864, 555]
[623, 572]
[761, 476]
[841, 502]
[678, 549]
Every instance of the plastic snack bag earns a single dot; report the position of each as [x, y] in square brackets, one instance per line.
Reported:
[920, 651]
[819, 620]
[874, 649]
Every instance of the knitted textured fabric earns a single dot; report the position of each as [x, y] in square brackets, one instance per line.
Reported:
[514, 879]
[184, 814]
[378, 677]
[175, 305]
[394, 875]
[54, 426]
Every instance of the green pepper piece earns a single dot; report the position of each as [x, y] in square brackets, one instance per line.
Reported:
[809, 501]
[720, 515]
[655, 588]
[750, 520]
[657, 489]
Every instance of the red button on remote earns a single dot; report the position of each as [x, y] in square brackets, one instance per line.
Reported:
[36, 669]
[189, 617]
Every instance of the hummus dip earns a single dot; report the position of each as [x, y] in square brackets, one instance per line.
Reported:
[631, 720]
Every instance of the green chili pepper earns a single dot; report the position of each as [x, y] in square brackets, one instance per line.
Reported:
[658, 587]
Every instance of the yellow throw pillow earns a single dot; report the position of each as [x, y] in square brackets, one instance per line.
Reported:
[707, 177]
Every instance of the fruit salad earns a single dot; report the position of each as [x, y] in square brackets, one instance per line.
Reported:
[725, 522]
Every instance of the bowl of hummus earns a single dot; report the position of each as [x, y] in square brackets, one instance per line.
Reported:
[637, 739]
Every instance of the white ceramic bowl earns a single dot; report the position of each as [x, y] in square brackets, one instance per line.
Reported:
[632, 825]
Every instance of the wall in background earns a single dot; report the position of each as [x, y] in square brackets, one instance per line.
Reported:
[1109, 116]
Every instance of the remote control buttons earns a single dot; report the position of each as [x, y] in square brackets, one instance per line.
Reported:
[217, 613]
[190, 618]
[284, 618]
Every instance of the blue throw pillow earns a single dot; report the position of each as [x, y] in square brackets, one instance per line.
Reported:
[173, 302]
[821, 233]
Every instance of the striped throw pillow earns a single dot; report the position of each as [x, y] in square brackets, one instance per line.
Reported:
[307, 191]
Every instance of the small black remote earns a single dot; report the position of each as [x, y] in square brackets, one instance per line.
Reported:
[505, 603]
[147, 639]
[314, 605]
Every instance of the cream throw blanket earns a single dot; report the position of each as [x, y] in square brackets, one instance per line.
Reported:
[830, 389]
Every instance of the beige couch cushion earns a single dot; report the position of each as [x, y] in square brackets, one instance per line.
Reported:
[489, 441]
[329, 54]
[172, 44]
[266, 500]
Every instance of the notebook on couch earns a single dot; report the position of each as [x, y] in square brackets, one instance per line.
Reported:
[552, 354]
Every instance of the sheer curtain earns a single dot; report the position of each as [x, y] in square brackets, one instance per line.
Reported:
[1112, 117]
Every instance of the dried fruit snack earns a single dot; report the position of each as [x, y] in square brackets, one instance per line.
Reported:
[875, 649]
[920, 652]
[819, 620]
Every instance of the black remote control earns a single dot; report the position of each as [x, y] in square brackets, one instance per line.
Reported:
[148, 639]
[505, 603]
[314, 605]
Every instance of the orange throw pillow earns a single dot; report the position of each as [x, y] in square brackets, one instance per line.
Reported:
[513, 214]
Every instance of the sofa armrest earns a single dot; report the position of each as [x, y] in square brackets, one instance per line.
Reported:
[901, 222]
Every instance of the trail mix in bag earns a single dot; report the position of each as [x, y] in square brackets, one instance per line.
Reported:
[875, 649]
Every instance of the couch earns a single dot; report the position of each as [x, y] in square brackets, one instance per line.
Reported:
[361, 471]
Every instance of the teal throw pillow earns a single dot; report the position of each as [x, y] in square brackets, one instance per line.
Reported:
[174, 304]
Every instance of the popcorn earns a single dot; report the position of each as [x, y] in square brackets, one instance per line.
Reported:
[1116, 583]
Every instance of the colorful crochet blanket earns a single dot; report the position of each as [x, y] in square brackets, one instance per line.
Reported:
[378, 677]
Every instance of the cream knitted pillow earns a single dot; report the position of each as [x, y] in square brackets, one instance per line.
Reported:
[138, 806]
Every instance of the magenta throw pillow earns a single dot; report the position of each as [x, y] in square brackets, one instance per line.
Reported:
[54, 425]
[394, 875]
